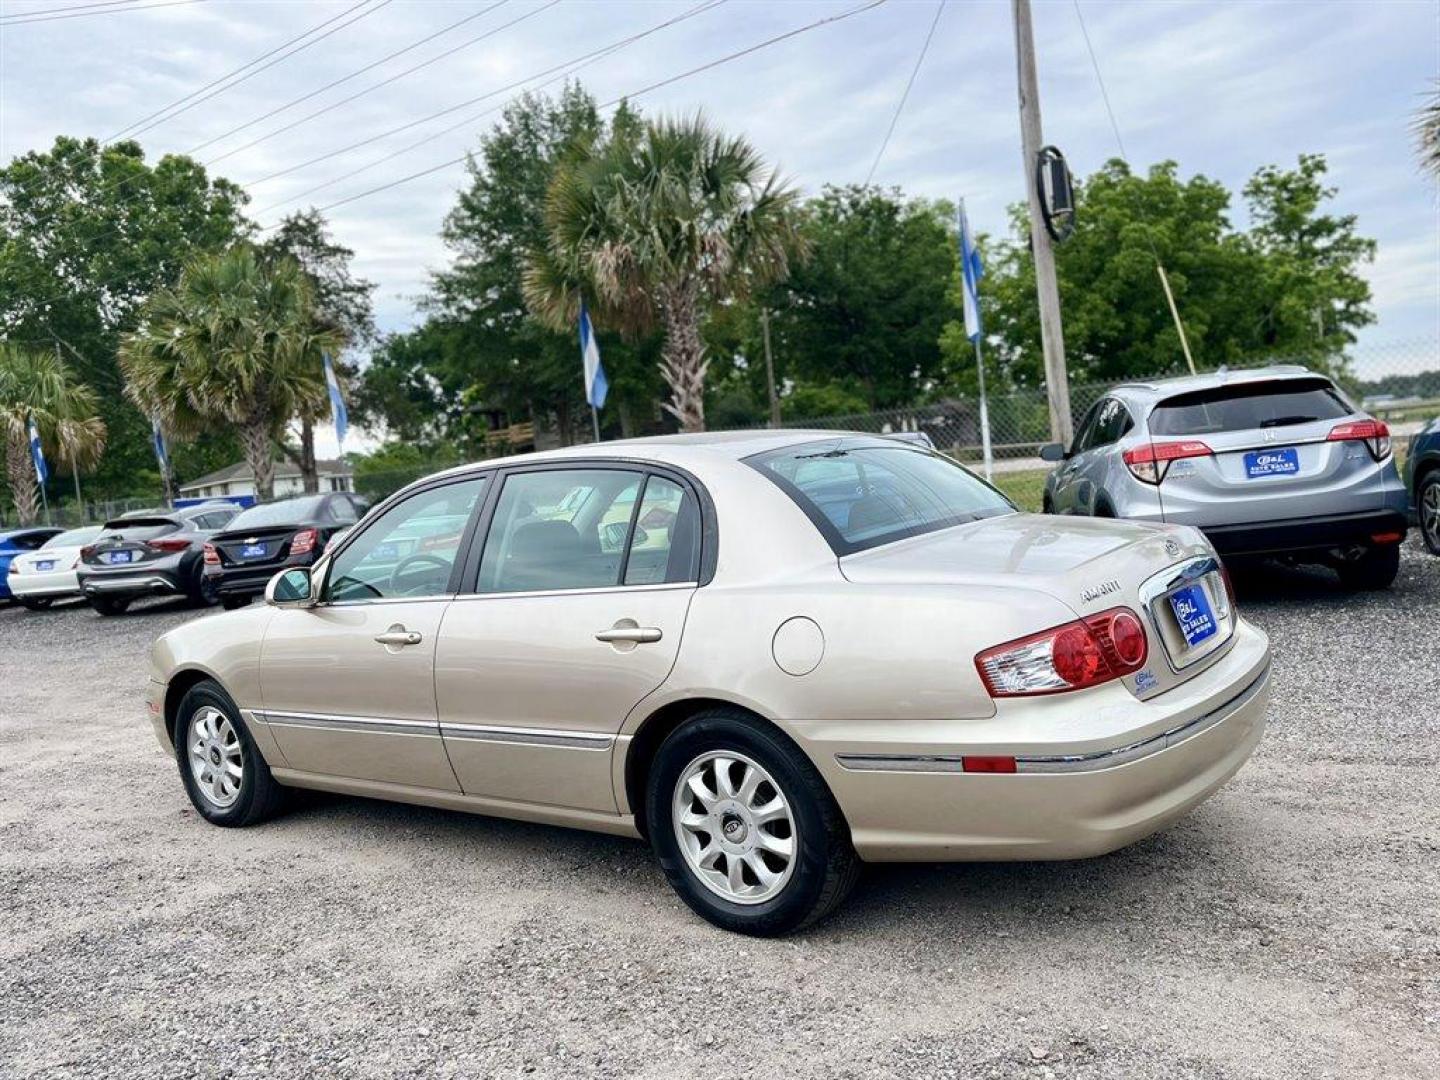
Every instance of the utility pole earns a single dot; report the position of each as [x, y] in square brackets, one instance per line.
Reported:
[770, 369]
[1057, 382]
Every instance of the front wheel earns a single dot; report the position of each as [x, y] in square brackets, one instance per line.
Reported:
[744, 827]
[1427, 499]
[1373, 569]
[223, 773]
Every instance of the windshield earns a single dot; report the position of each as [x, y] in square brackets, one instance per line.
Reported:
[74, 537]
[289, 512]
[861, 494]
[1248, 406]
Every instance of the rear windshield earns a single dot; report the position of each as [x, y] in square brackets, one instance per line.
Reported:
[74, 537]
[1248, 406]
[863, 494]
[289, 512]
[144, 528]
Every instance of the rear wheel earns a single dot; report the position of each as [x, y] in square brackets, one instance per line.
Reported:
[109, 605]
[227, 780]
[1427, 499]
[230, 603]
[744, 827]
[202, 590]
[1374, 568]
[36, 603]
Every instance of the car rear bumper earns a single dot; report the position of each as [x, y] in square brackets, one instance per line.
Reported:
[242, 581]
[1306, 534]
[44, 586]
[142, 583]
[1073, 795]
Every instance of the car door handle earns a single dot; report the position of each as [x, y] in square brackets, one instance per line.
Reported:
[398, 635]
[638, 635]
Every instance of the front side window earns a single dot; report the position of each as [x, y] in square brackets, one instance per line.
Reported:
[864, 494]
[1248, 406]
[408, 551]
[1111, 422]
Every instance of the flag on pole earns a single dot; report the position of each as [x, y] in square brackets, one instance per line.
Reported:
[157, 437]
[337, 403]
[37, 455]
[596, 385]
[971, 271]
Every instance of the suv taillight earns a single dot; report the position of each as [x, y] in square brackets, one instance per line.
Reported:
[212, 555]
[1078, 654]
[1150, 462]
[166, 544]
[1375, 434]
[87, 551]
[303, 542]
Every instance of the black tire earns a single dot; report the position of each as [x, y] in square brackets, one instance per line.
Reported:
[231, 603]
[825, 866]
[259, 796]
[36, 603]
[1373, 570]
[1428, 489]
[201, 592]
[110, 605]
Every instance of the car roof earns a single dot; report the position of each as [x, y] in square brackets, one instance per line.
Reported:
[1154, 389]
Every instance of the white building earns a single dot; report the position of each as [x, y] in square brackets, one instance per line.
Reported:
[238, 479]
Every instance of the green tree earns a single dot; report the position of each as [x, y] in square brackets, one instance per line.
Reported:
[342, 302]
[1427, 132]
[236, 342]
[86, 234]
[650, 229]
[37, 387]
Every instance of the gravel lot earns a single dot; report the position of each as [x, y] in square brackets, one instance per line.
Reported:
[1288, 928]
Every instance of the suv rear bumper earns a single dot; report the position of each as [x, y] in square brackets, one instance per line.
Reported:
[148, 583]
[1305, 534]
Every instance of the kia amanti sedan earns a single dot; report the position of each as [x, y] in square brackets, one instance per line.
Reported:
[774, 655]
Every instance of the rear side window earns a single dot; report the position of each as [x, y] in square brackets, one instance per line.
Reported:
[862, 494]
[1248, 406]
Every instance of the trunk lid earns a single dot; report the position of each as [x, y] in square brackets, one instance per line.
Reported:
[1088, 564]
[255, 547]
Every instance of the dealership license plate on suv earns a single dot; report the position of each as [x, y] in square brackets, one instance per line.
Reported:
[115, 557]
[1282, 462]
[1193, 613]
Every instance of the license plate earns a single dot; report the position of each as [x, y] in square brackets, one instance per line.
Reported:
[1282, 462]
[48, 564]
[1193, 613]
[253, 551]
[116, 557]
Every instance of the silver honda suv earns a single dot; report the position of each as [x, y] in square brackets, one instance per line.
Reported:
[1272, 462]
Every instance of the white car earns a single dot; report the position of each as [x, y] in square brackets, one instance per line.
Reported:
[38, 578]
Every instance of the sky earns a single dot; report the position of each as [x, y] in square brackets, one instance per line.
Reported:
[1220, 87]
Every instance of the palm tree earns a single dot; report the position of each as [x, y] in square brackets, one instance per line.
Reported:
[234, 342]
[38, 387]
[651, 228]
[1427, 133]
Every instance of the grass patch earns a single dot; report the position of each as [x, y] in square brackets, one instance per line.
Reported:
[1026, 489]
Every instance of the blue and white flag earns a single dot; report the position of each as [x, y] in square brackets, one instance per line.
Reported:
[337, 403]
[596, 385]
[971, 271]
[37, 455]
[157, 437]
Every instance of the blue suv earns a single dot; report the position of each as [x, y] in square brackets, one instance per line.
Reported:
[1422, 481]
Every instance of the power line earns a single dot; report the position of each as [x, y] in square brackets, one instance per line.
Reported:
[565, 70]
[738, 54]
[22, 20]
[346, 78]
[70, 8]
[387, 81]
[899, 108]
[230, 74]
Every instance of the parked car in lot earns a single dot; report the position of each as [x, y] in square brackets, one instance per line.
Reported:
[38, 578]
[263, 539]
[1273, 462]
[151, 555]
[774, 654]
[15, 542]
[1422, 481]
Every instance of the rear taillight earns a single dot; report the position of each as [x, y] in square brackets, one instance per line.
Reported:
[212, 556]
[303, 542]
[166, 544]
[1375, 434]
[1083, 653]
[14, 568]
[86, 552]
[1150, 462]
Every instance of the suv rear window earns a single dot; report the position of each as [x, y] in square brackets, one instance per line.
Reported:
[861, 494]
[1248, 406]
[141, 528]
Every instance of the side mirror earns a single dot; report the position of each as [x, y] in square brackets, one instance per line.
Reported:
[1053, 452]
[290, 588]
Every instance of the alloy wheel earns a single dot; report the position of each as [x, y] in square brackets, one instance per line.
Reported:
[735, 827]
[1430, 513]
[217, 761]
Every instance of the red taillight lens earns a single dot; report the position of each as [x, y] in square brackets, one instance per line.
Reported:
[303, 542]
[1070, 657]
[1150, 462]
[87, 551]
[1375, 434]
[166, 544]
[212, 555]
[14, 568]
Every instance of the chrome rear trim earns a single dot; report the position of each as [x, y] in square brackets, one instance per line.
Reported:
[129, 584]
[571, 740]
[1095, 761]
